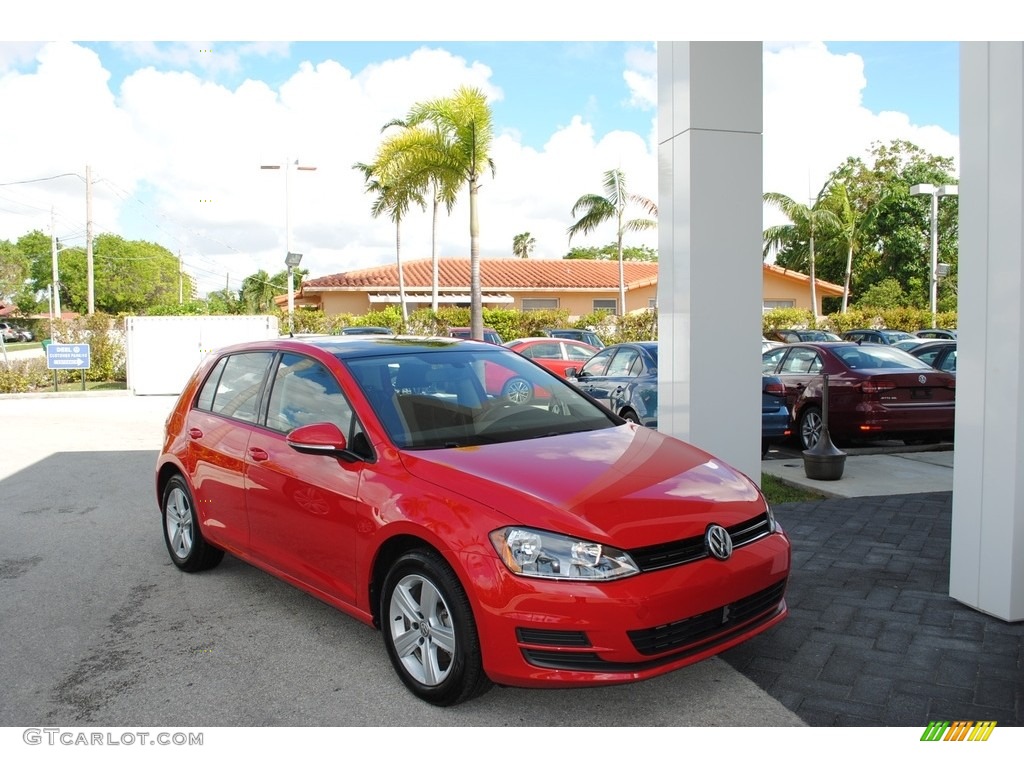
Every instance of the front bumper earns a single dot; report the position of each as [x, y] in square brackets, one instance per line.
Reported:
[546, 633]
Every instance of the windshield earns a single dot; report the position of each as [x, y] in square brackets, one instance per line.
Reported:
[470, 396]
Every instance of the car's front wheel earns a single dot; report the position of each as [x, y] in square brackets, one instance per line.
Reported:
[630, 415]
[429, 631]
[185, 543]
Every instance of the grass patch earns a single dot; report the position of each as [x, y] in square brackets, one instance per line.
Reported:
[90, 386]
[778, 492]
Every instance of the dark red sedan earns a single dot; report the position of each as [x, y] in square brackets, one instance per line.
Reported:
[875, 392]
[547, 544]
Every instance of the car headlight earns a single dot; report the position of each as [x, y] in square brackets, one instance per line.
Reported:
[544, 555]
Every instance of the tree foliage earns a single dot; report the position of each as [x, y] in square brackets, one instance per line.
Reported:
[883, 231]
[610, 251]
[595, 209]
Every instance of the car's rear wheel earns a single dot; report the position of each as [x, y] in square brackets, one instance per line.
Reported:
[185, 543]
[517, 390]
[429, 631]
[810, 427]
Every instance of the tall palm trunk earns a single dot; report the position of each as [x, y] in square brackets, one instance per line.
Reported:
[434, 278]
[814, 284]
[401, 275]
[476, 314]
[846, 284]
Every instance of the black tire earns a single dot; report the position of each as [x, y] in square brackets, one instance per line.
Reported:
[517, 390]
[429, 631]
[630, 415]
[182, 535]
[810, 427]
[764, 447]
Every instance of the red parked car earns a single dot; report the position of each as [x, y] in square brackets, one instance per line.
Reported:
[875, 391]
[540, 545]
[554, 354]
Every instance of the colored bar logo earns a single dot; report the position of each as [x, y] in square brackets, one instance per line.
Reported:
[958, 730]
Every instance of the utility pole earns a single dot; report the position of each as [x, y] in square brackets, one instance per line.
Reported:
[56, 283]
[88, 239]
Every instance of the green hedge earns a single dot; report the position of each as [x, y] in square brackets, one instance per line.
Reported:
[898, 319]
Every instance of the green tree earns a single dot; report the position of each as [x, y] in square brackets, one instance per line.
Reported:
[612, 205]
[223, 302]
[14, 270]
[464, 120]
[898, 244]
[856, 220]
[523, 244]
[396, 191]
[421, 152]
[258, 292]
[806, 223]
[610, 251]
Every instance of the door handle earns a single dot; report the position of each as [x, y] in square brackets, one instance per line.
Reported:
[258, 454]
[195, 433]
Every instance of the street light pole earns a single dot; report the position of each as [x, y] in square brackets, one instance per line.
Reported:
[946, 190]
[290, 258]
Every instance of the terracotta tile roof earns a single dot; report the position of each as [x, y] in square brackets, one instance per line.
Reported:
[827, 288]
[495, 275]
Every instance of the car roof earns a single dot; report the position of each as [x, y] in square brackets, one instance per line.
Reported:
[365, 346]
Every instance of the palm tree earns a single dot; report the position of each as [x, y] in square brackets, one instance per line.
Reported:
[258, 292]
[598, 209]
[807, 221]
[523, 244]
[422, 147]
[852, 225]
[395, 191]
[464, 122]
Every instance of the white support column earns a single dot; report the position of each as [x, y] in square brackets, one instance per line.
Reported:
[987, 557]
[710, 222]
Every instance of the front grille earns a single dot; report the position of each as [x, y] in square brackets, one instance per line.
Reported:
[565, 639]
[687, 550]
[668, 637]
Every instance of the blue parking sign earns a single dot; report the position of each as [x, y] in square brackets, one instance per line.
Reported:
[67, 357]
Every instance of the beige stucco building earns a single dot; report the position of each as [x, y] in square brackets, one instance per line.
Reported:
[578, 286]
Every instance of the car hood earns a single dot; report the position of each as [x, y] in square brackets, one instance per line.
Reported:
[628, 486]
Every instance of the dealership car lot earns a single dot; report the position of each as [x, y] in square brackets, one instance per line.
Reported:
[107, 631]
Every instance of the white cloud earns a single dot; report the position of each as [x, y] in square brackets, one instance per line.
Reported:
[177, 156]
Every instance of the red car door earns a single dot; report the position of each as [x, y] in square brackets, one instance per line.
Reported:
[303, 508]
[217, 430]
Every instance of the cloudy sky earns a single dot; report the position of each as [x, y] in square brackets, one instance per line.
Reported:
[175, 132]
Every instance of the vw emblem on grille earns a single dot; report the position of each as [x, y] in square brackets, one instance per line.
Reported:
[719, 542]
[922, 378]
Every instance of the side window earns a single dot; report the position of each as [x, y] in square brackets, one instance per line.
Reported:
[598, 363]
[929, 357]
[205, 400]
[305, 392]
[577, 353]
[543, 350]
[622, 362]
[238, 390]
[801, 361]
[949, 364]
[770, 360]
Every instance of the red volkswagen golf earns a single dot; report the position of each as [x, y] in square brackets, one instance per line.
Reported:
[549, 544]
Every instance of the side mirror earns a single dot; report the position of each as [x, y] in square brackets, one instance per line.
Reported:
[571, 373]
[321, 438]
